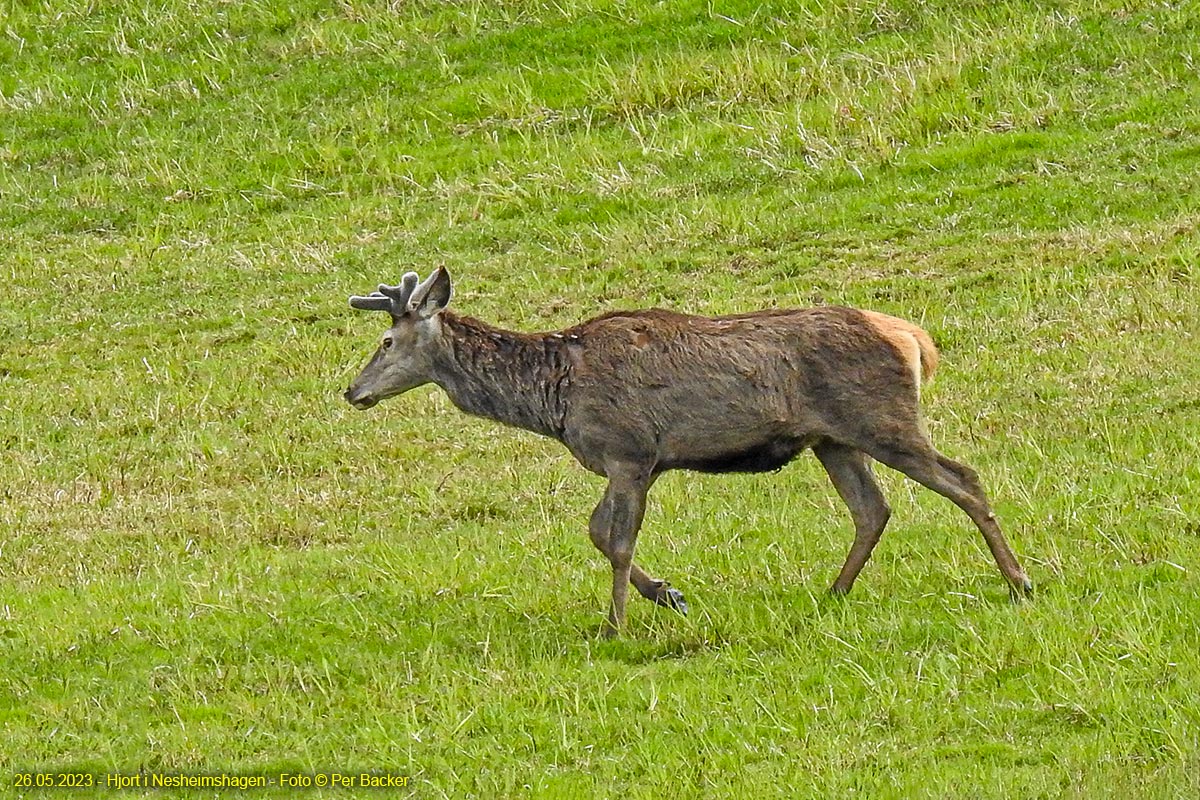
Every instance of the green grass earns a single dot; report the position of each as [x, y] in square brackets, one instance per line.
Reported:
[209, 563]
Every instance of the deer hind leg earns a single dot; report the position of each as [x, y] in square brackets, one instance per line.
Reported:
[850, 472]
[960, 484]
[657, 591]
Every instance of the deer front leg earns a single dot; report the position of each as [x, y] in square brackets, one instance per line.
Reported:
[655, 590]
[626, 504]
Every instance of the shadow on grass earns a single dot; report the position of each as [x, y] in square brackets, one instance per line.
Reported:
[643, 651]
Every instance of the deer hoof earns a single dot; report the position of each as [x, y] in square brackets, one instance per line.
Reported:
[671, 597]
[1023, 592]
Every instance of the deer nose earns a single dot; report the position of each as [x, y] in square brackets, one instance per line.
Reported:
[359, 401]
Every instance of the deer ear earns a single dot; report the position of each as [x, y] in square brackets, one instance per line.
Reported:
[433, 295]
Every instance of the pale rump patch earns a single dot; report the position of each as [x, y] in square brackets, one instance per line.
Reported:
[912, 343]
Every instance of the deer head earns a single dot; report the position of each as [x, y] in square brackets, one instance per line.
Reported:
[404, 359]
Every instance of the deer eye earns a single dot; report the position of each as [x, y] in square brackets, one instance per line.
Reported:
[387, 342]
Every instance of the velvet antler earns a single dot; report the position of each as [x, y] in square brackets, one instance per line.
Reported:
[396, 300]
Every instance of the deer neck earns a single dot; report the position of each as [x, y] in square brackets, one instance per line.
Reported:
[514, 378]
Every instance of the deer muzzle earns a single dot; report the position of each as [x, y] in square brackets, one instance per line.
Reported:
[360, 399]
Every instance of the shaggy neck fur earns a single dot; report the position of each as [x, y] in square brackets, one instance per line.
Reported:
[515, 378]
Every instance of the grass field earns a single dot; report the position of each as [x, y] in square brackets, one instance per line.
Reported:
[209, 563]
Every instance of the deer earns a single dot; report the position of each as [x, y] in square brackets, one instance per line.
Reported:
[634, 394]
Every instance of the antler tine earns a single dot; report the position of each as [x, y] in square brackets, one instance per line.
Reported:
[402, 292]
[392, 299]
[372, 302]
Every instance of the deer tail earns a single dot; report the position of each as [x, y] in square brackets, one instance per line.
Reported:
[913, 344]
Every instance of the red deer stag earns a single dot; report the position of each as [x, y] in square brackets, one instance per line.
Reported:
[633, 394]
